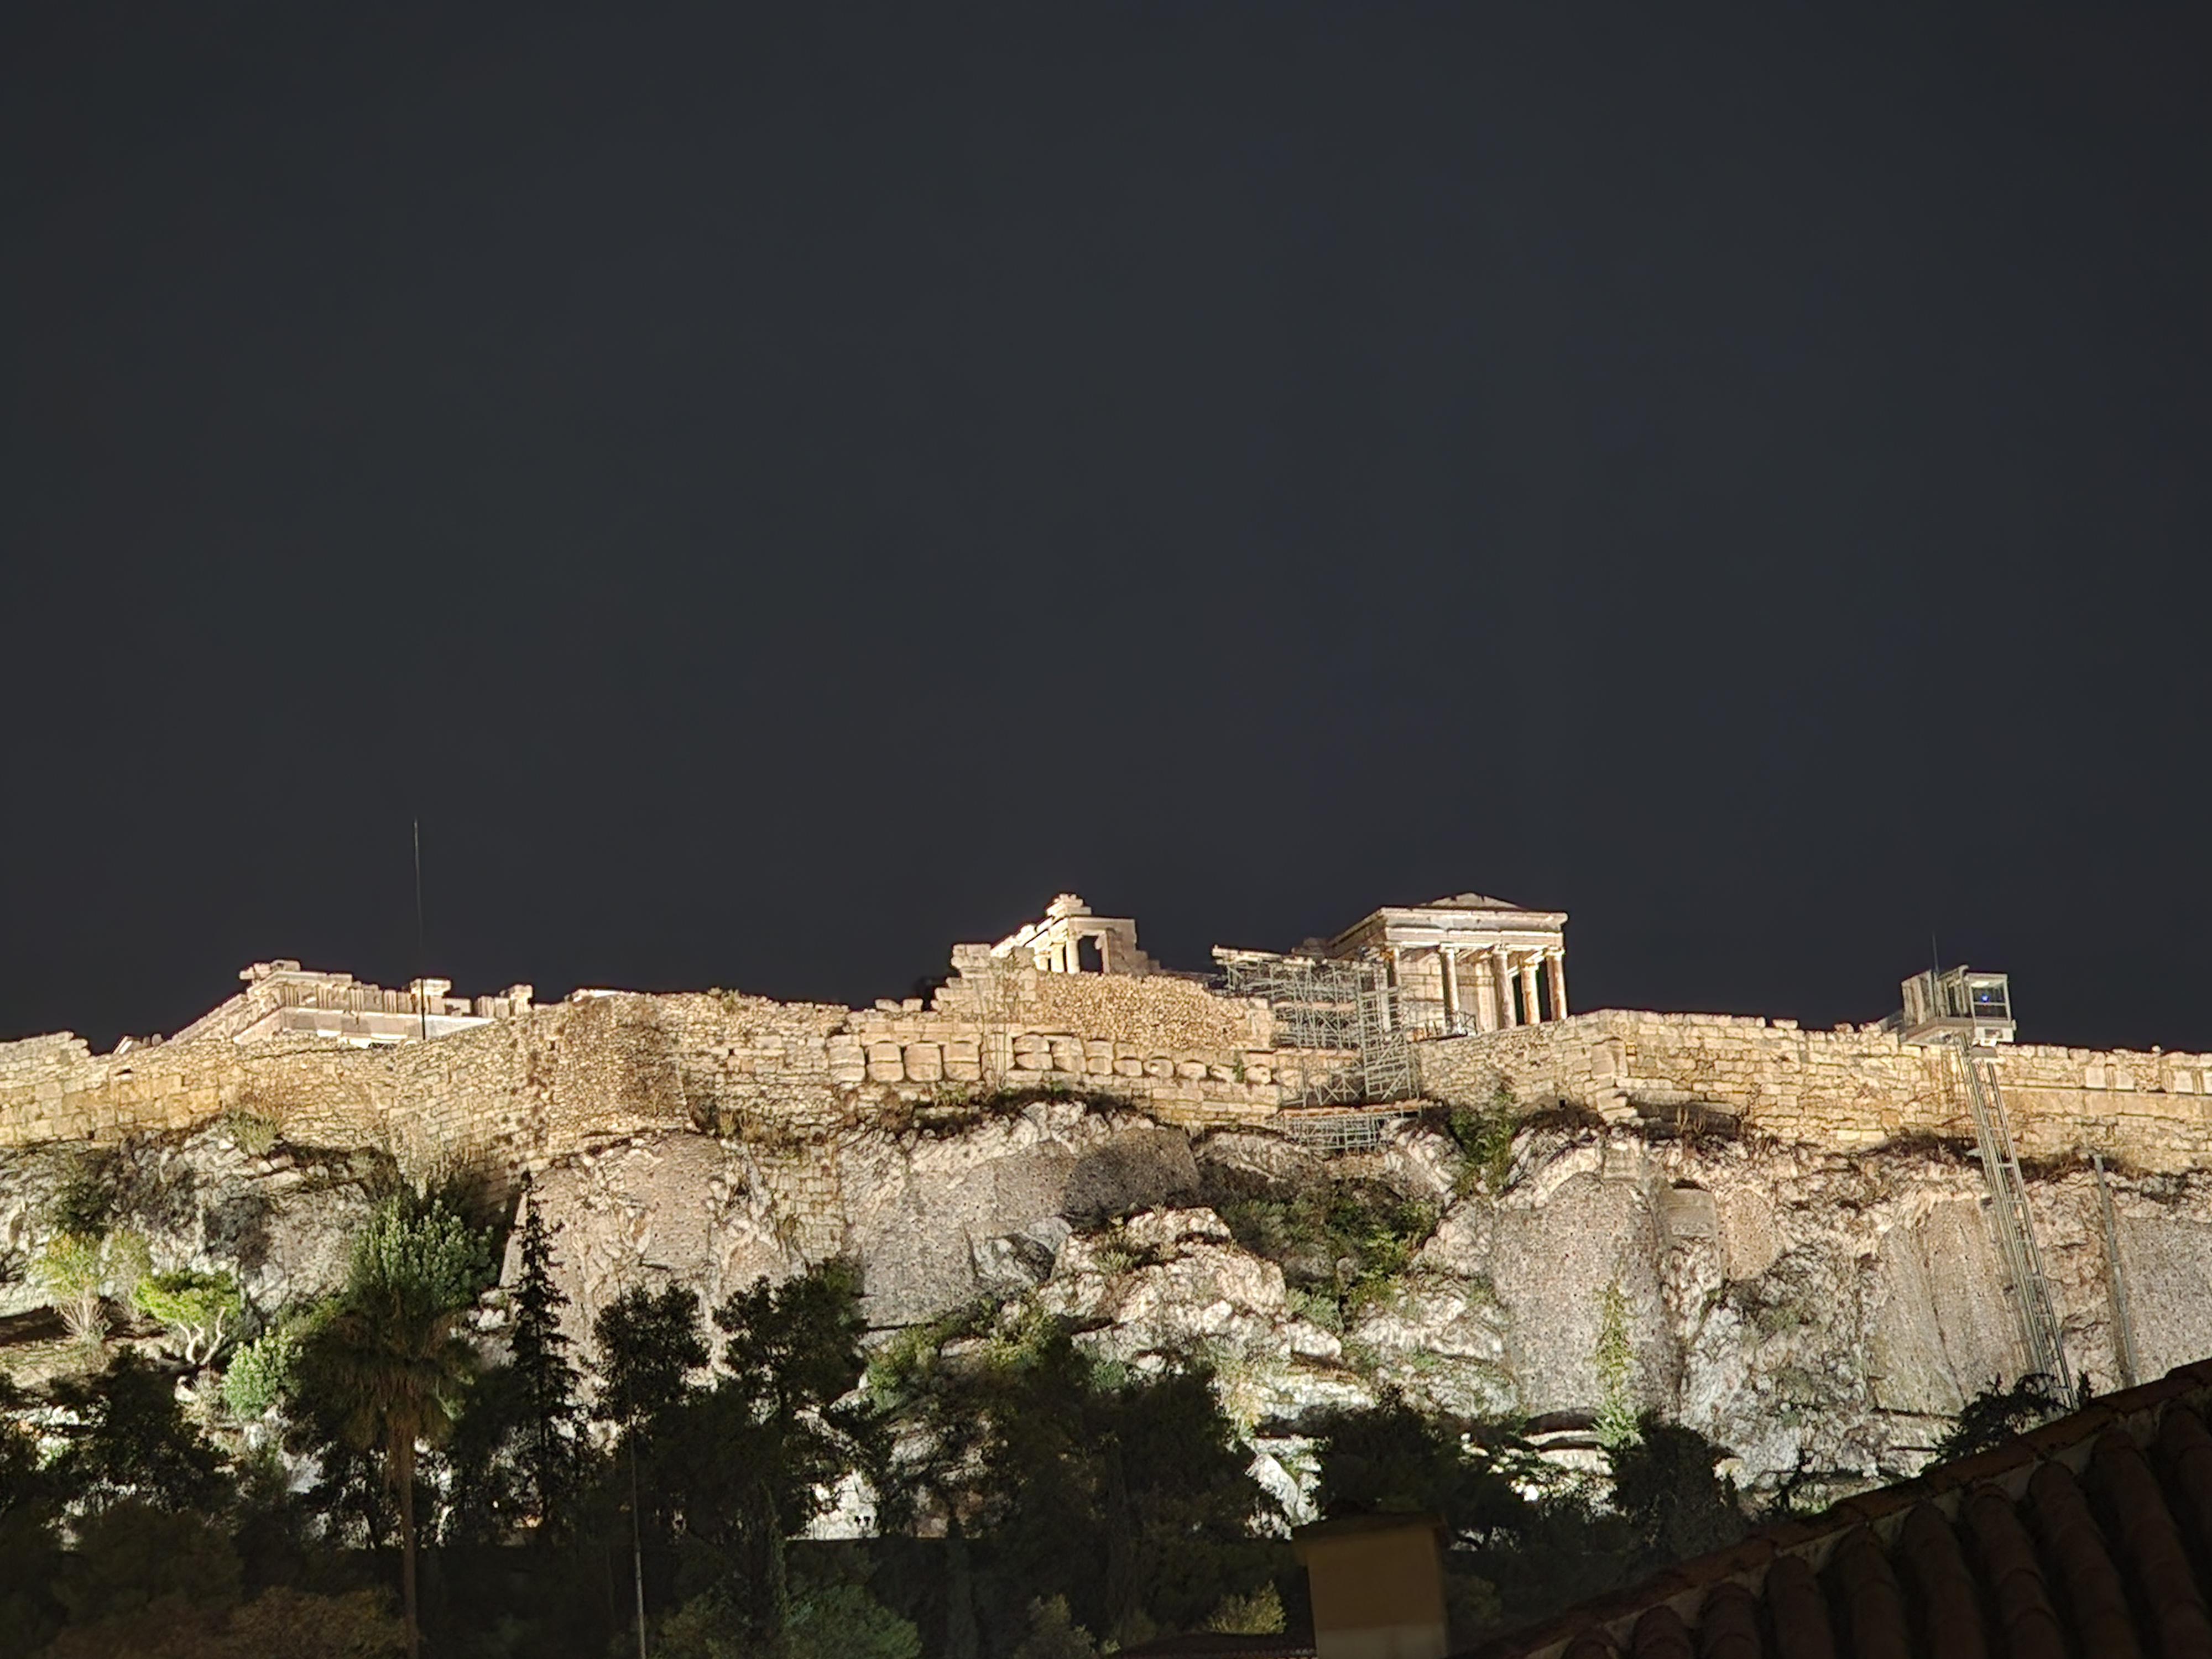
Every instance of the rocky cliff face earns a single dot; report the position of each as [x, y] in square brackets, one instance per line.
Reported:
[1807, 1309]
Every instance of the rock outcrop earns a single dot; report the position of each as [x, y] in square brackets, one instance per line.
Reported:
[1809, 1309]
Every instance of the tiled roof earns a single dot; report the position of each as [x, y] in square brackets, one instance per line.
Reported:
[2088, 1538]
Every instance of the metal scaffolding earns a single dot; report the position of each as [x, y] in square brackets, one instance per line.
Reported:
[1333, 1132]
[1340, 1018]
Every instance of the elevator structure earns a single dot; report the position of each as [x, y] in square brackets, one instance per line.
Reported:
[1966, 1015]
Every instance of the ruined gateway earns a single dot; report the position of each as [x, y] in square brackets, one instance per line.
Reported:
[1794, 1220]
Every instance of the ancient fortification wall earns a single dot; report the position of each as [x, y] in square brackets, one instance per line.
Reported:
[525, 1083]
[502, 1080]
[1849, 1087]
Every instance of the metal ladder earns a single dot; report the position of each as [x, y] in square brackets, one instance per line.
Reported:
[2022, 1257]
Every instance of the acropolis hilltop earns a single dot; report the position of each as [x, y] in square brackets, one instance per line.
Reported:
[1451, 1002]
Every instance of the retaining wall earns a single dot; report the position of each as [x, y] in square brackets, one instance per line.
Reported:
[1852, 1087]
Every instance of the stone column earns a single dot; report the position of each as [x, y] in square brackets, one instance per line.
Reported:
[1555, 960]
[1448, 959]
[1485, 993]
[1528, 999]
[1501, 966]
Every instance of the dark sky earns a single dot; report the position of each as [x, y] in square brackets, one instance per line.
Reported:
[779, 490]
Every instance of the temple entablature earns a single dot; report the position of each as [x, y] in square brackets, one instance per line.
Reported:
[1466, 963]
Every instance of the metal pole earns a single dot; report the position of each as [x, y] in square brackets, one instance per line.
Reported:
[422, 991]
[2131, 1371]
[637, 1549]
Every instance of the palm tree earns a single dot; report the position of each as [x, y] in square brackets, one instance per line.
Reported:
[390, 1367]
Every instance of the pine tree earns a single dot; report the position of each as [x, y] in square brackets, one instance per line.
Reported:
[547, 1445]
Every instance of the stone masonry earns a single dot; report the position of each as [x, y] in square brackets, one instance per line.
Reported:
[505, 1082]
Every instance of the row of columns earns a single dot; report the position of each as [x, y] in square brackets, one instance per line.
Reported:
[1494, 972]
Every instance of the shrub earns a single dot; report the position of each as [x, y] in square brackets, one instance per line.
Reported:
[845, 1621]
[78, 1270]
[1996, 1414]
[252, 1131]
[261, 1373]
[199, 1309]
[1054, 1633]
[1260, 1614]
[83, 1204]
[1349, 1238]
[1616, 1371]
[426, 1245]
[1486, 1142]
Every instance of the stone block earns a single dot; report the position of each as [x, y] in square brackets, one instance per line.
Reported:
[1190, 1070]
[1131, 1068]
[1159, 1066]
[925, 1063]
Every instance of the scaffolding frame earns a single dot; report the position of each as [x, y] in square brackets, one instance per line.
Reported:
[1341, 1017]
[1334, 1134]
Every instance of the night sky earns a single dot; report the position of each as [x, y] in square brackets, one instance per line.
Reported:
[777, 490]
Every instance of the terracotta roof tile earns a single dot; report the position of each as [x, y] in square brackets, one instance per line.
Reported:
[1660, 1634]
[1799, 1611]
[2148, 1544]
[2097, 1599]
[1729, 1623]
[2012, 1575]
[1949, 1602]
[2185, 1446]
[2090, 1538]
[1870, 1598]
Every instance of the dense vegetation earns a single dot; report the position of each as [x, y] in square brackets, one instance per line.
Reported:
[422, 1463]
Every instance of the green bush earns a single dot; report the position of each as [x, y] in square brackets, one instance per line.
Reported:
[1346, 1240]
[1260, 1614]
[845, 1621]
[83, 1204]
[252, 1131]
[1054, 1633]
[1996, 1414]
[200, 1309]
[1486, 1142]
[425, 1244]
[78, 1270]
[261, 1373]
[1616, 1371]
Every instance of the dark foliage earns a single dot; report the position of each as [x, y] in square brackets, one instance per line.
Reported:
[649, 1346]
[1131, 1497]
[517, 1455]
[132, 1440]
[1998, 1414]
[1664, 1483]
[84, 1200]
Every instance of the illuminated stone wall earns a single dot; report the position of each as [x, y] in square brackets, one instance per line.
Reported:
[1851, 1087]
[530, 1083]
[536, 1082]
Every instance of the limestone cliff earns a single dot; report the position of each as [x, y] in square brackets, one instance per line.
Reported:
[1804, 1307]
